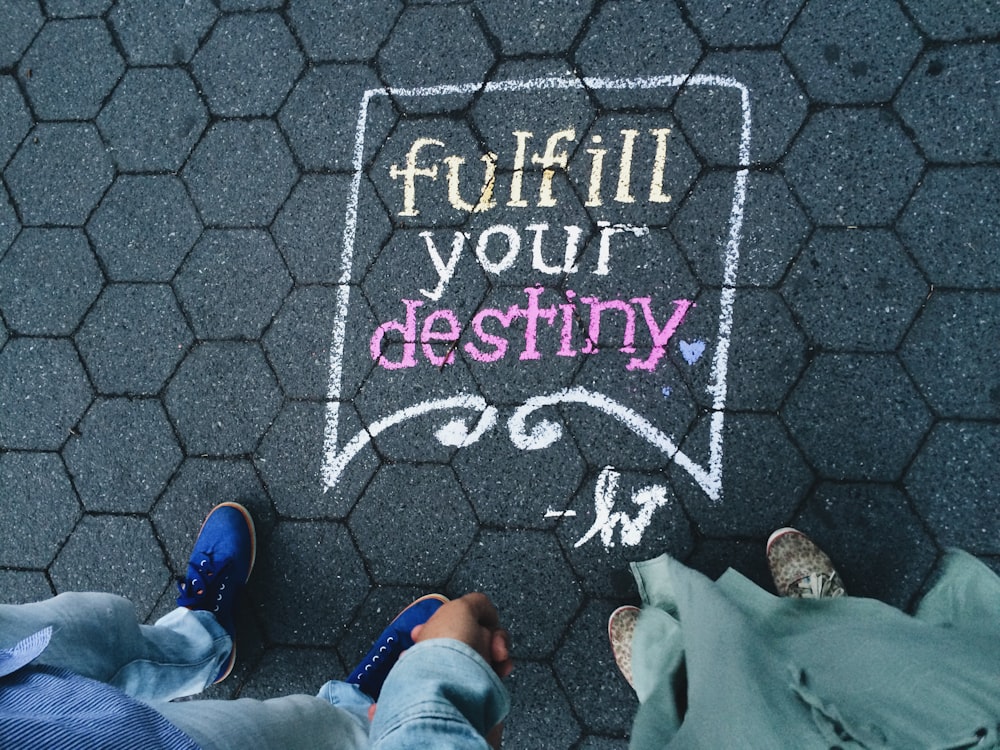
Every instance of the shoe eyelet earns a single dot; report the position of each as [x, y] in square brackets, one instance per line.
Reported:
[382, 649]
[390, 639]
[375, 658]
[368, 667]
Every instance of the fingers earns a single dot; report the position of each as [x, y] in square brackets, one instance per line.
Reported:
[482, 609]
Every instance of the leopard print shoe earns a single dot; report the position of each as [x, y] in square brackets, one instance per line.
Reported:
[800, 568]
[621, 629]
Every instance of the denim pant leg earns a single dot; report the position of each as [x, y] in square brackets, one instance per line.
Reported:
[99, 636]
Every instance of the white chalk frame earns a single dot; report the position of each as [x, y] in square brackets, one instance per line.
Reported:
[543, 433]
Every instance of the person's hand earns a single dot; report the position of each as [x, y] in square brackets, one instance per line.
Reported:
[473, 620]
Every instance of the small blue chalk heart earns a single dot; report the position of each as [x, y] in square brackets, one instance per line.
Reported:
[692, 351]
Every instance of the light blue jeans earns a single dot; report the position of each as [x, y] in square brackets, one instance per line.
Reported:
[98, 636]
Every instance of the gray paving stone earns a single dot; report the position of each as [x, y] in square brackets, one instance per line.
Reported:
[140, 143]
[434, 46]
[522, 570]
[538, 709]
[625, 40]
[765, 479]
[122, 544]
[950, 355]
[23, 586]
[774, 228]
[595, 742]
[742, 23]
[857, 417]
[107, 471]
[290, 459]
[356, 360]
[855, 289]
[43, 393]
[841, 184]
[944, 101]
[343, 31]
[48, 279]
[15, 120]
[843, 519]
[162, 33]
[240, 173]
[222, 398]
[9, 225]
[144, 227]
[39, 506]
[232, 283]
[713, 557]
[69, 69]
[315, 608]
[20, 21]
[297, 343]
[851, 52]
[3, 334]
[284, 671]
[953, 20]
[133, 338]
[248, 65]
[599, 695]
[321, 116]
[75, 8]
[954, 484]
[777, 107]
[950, 224]
[525, 27]
[70, 155]
[248, 5]
[439, 525]
[195, 488]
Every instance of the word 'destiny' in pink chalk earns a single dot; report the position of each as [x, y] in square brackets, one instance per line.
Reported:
[490, 341]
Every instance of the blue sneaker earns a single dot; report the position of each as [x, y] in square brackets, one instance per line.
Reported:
[370, 674]
[219, 568]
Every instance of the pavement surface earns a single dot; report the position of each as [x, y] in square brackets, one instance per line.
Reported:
[494, 294]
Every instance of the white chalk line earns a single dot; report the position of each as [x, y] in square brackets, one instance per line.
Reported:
[710, 480]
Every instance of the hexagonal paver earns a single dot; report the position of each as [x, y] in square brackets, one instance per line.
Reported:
[539, 708]
[15, 120]
[541, 28]
[144, 227]
[248, 65]
[954, 21]
[317, 607]
[69, 69]
[857, 416]
[298, 341]
[107, 470]
[433, 46]
[951, 355]
[625, 40]
[43, 392]
[774, 228]
[951, 223]
[209, 398]
[240, 173]
[133, 339]
[75, 8]
[955, 485]
[139, 142]
[195, 488]
[9, 225]
[520, 570]
[343, 31]
[23, 586]
[944, 102]
[606, 706]
[855, 290]
[161, 33]
[838, 64]
[122, 544]
[39, 505]
[290, 670]
[426, 549]
[20, 22]
[843, 518]
[59, 174]
[742, 23]
[852, 166]
[777, 107]
[321, 115]
[765, 478]
[232, 283]
[48, 279]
